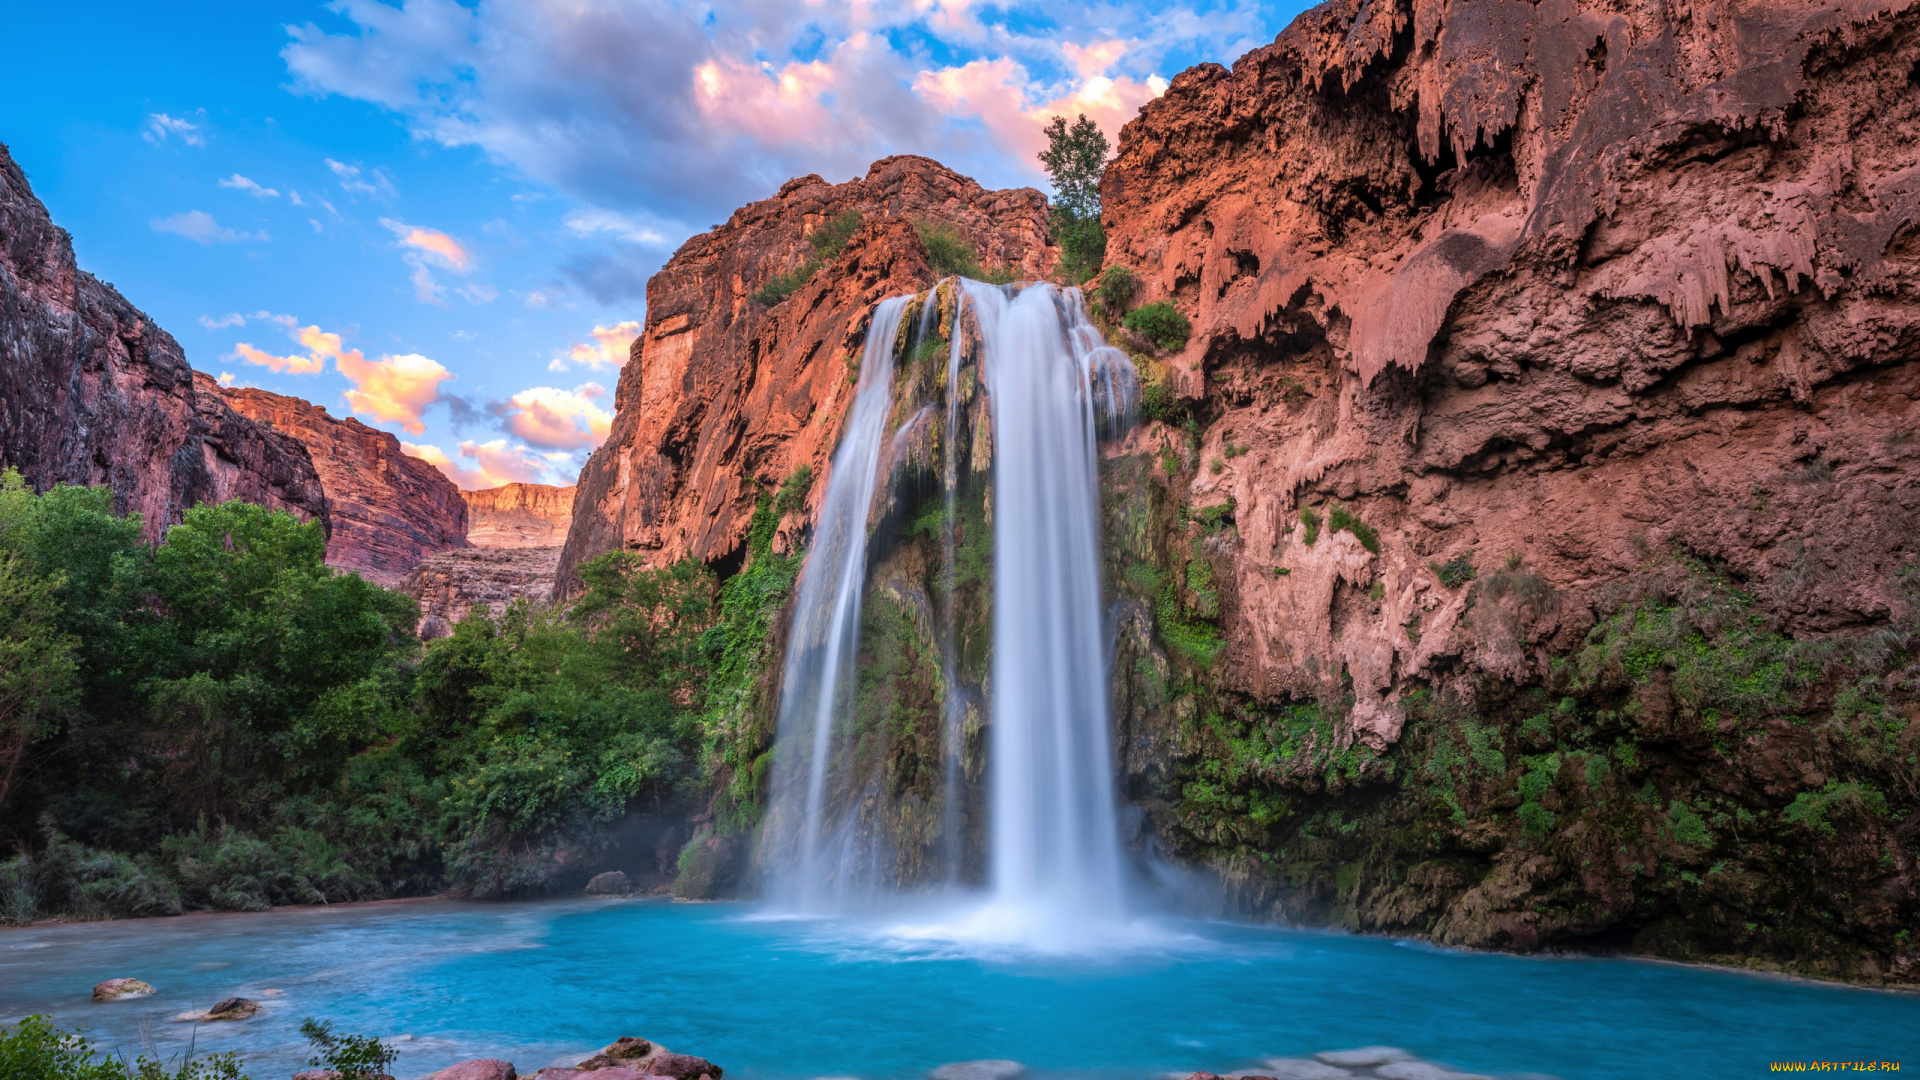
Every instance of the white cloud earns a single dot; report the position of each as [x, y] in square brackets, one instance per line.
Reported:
[590, 221]
[161, 127]
[232, 318]
[376, 184]
[241, 183]
[200, 227]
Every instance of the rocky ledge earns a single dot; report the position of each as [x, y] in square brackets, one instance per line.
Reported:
[519, 515]
[451, 584]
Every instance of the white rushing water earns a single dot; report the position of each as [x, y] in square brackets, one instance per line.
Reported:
[826, 620]
[1055, 869]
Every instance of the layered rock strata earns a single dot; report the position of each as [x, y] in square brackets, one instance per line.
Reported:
[92, 392]
[389, 510]
[451, 584]
[726, 394]
[519, 515]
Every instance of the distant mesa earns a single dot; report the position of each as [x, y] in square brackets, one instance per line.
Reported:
[519, 516]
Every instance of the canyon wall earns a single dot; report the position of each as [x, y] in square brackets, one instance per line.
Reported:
[92, 392]
[519, 515]
[1531, 544]
[726, 394]
[389, 510]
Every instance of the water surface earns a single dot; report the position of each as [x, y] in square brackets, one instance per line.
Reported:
[538, 982]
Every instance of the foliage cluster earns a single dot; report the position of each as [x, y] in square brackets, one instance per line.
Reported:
[951, 255]
[1075, 158]
[1161, 323]
[240, 726]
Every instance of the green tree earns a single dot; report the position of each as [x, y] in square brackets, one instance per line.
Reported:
[36, 663]
[1075, 158]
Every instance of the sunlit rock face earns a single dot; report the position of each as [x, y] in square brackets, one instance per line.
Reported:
[452, 584]
[389, 510]
[519, 515]
[92, 392]
[725, 395]
[1560, 284]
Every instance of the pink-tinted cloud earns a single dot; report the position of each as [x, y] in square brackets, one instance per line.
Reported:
[433, 245]
[609, 348]
[994, 91]
[393, 389]
[493, 463]
[288, 365]
[556, 419]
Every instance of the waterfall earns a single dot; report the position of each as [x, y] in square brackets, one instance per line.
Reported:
[1054, 833]
[826, 619]
[1052, 388]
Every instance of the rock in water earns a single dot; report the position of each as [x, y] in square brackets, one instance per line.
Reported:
[1365, 1057]
[115, 989]
[627, 1051]
[233, 1008]
[682, 1067]
[997, 1069]
[477, 1069]
[613, 883]
[1302, 1069]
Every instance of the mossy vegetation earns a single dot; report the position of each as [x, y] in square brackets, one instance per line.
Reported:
[826, 241]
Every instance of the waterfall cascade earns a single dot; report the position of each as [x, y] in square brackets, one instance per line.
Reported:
[1028, 387]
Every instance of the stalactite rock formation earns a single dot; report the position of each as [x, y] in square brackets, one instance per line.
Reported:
[726, 395]
[92, 392]
[389, 510]
[1558, 284]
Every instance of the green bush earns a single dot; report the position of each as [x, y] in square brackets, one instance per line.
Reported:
[1115, 290]
[1339, 518]
[348, 1057]
[950, 255]
[34, 1049]
[1454, 572]
[1161, 323]
[781, 286]
[1309, 525]
[831, 235]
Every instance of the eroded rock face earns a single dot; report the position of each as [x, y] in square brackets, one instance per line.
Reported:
[1555, 283]
[452, 583]
[519, 515]
[1601, 322]
[91, 392]
[725, 396]
[389, 510]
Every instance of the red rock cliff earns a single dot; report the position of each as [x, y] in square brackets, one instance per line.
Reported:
[1553, 285]
[724, 396]
[389, 510]
[91, 392]
[519, 515]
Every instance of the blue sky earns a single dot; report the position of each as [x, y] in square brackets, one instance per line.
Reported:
[440, 217]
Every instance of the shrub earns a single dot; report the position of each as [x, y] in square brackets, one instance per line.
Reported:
[832, 234]
[1340, 518]
[1161, 323]
[1454, 572]
[1309, 525]
[34, 1049]
[781, 286]
[348, 1057]
[1115, 290]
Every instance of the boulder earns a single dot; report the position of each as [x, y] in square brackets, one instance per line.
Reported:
[233, 1008]
[1302, 1069]
[611, 883]
[680, 1067]
[115, 989]
[997, 1069]
[316, 1074]
[477, 1069]
[627, 1051]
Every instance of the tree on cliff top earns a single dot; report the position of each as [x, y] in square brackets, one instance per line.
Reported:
[1075, 158]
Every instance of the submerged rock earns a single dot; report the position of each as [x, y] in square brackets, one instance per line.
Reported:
[115, 989]
[1364, 1057]
[996, 1069]
[1303, 1069]
[611, 883]
[233, 1008]
[477, 1069]
[1422, 1070]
